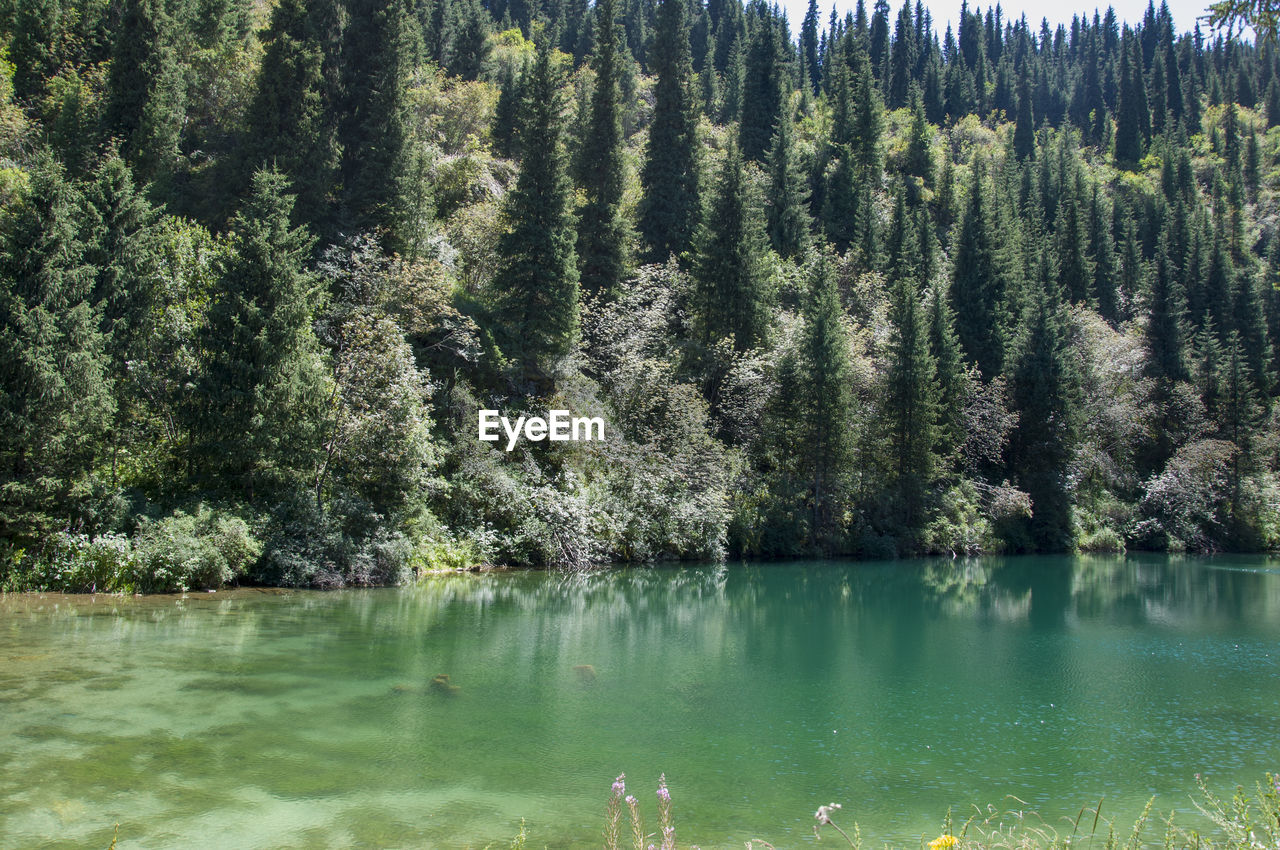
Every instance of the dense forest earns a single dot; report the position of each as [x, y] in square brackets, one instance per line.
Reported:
[872, 290]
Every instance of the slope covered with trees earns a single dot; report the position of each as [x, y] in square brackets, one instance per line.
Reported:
[867, 289]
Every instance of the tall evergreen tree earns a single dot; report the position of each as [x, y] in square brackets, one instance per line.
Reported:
[258, 429]
[603, 232]
[55, 401]
[669, 177]
[762, 88]
[378, 52]
[1043, 389]
[537, 282]
[144, 97]
[729, 271]
[788, 217]
[289, 124]
[978, 282]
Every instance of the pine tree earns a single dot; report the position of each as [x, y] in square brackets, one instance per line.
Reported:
[669, 178]
[809, 46]
[55, 401]
[978, 282]
[1249, 322]
[911, 390]
[1043, 388]
[1129, 123]
[826, 412]
[468, 38]
[603, 233]
[1106, 271]
[868, 126]
[1024, 130]
[840, 202]
[263, 386]
[144, 98]
[506, 112]
[762, 89]
[788, 217]
[918, 159]
[948, 359]
[729, 272]
[1075, 268]
[374, 133]
[537, 283]
[1165, 331]
[902, 61]
[289, 124]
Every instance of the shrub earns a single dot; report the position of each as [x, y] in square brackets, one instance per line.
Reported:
[199, 551]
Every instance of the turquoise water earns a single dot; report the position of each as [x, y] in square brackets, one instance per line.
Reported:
[263, 719]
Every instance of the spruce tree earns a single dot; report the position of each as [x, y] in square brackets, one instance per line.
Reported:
[669, 178]
[911, 391]
[918, 158]
[809, 46]
[1075, 267]
[840, 201]
[262, 388]
[289, 124]
[788, 217]
[729, 271]
[827, 410]
[603, 232]
[143, 101]
[1024, 130]
[948, 360]
[55, 400]
[762, 88]
[378, 50]
[978, 282]
[537, 282]
[1106, 269]
[1129, 135]
[1043, 388]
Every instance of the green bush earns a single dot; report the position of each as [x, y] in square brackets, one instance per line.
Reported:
[205, 550]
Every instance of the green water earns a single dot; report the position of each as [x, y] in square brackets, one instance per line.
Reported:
[259, 719]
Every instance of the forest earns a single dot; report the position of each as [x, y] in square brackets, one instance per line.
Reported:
[870, 290]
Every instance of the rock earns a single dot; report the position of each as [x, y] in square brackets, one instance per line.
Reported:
[586, 673]
[441, 685]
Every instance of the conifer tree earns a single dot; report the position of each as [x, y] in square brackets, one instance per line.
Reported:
[1129, 123]
[1075, 267]
[809, 46]
[55, 401]
[603, 233]
[978, 282]
[374, 137]
[537, 283]
[1249, 323]
[762, 88]
[918, 161]
[468, 38]
[669, 205]
[506, 112]
[788, 217]
[1024, 130]
[827, 399]
[290, 126]
[729, 271]
[263, 386]
[911, 386]
[144, 97]
[1106, 271]
[840, 202]
[1043, 389]
[948, 360]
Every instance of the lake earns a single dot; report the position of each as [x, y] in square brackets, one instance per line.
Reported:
[265, 719]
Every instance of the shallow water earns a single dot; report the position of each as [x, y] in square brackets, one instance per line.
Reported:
[265, 719]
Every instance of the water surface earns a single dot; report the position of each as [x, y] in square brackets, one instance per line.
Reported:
[269, 719]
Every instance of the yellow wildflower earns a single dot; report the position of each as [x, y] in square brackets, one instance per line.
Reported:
[943, 842]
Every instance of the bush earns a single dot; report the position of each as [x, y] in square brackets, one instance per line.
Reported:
[200, 551]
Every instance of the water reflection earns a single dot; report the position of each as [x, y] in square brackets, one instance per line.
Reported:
[760, 690]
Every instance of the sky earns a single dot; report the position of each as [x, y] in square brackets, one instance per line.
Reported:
[1184, 12]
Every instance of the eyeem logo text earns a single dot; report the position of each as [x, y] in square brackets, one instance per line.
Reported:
[559, 426]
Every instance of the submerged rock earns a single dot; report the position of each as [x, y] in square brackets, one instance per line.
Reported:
[586, 673]
[441, 685]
